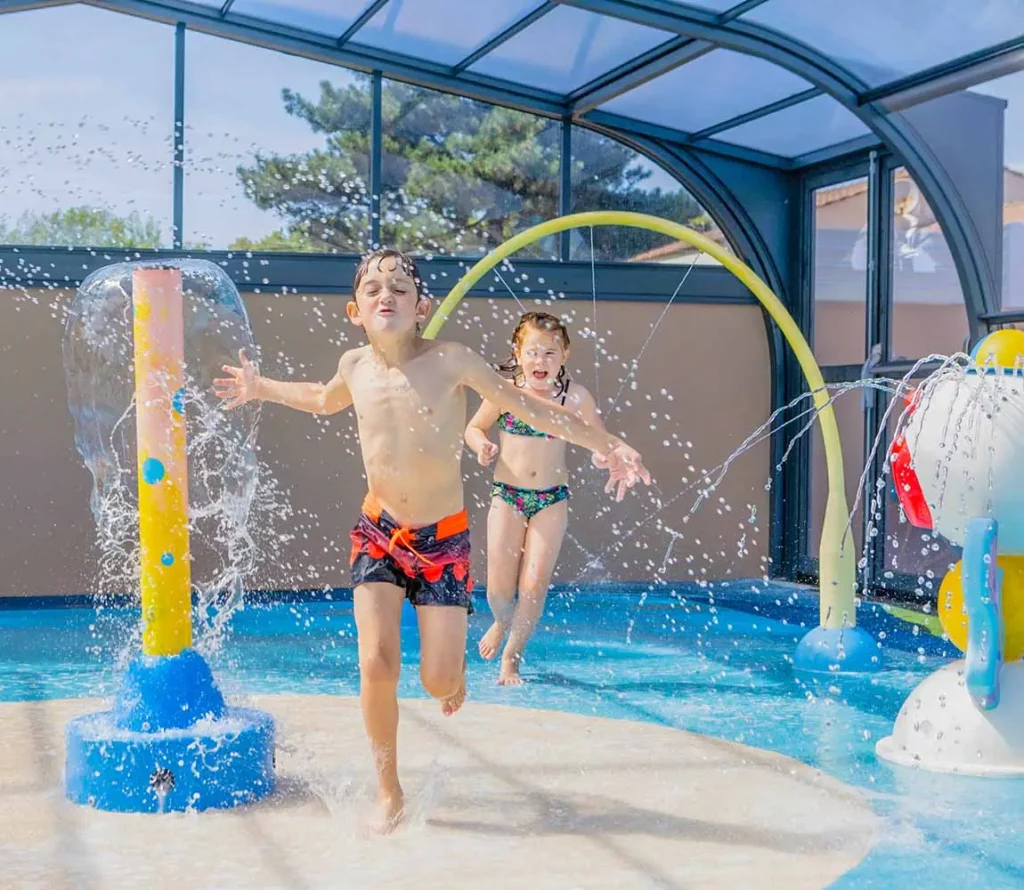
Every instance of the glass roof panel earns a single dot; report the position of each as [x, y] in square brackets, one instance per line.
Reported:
[712, 88]
[568, 48]
[881, 40]
[330, 17]
[799, 129]
[424, 28]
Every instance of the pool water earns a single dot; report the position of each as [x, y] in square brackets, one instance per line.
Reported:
[710, 660]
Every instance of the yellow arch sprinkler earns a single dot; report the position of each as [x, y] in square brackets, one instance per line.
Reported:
[837, 644]
[170, 743]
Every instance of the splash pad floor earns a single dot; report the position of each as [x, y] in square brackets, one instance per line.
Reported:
[499, 796]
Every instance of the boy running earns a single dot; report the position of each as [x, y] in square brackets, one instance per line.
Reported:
[411, 540]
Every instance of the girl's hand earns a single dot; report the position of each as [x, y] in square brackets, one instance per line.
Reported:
[243, 384]
[598, 460]
[487, 452]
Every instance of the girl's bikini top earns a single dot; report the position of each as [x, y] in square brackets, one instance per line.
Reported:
[511, 424]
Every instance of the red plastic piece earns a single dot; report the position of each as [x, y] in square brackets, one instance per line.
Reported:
[908, 486]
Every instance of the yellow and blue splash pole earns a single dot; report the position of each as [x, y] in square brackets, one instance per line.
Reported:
[170, 743]
[166, 586]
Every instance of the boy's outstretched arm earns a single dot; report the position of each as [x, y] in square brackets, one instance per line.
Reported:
[623, 462]
[246, 383]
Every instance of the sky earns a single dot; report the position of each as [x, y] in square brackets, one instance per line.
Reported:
[92, 122]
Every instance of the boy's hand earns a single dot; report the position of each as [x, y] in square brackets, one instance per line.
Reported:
[487, 453]
[624, 468]
[243, 384]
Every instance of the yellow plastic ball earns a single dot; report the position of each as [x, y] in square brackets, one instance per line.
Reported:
[1003, 348]
[953, 615]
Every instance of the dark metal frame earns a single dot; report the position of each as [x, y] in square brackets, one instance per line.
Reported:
[696, 159]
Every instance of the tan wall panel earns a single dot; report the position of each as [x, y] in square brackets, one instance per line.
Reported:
[712, 360]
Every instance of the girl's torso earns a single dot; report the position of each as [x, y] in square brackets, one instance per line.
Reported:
[529, 458]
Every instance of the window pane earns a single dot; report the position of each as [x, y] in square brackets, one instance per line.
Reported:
[460, 176]
[1011, 90]
[331, 17]
[568, 48]
[800, 129]
[607, 175]
[276, 150]
[880, 40]
[716, 86]
[929, 314]
[840, 272]
[423, 28]
[86, 134]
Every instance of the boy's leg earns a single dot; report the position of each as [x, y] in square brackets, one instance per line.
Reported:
[544, 537]
[443, 653]
[378, 614]
[506, 533]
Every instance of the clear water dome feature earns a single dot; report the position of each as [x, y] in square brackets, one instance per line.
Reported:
[221, 456]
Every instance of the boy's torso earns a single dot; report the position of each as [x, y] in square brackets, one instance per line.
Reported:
[411, 420]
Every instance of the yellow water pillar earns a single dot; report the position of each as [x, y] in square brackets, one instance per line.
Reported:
[163, 468]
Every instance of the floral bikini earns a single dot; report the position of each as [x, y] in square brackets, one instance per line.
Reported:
[527, 501]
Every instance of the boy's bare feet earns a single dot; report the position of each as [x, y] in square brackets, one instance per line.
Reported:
[491, 641]
[509, 674]
[391, 811]
[454, 701]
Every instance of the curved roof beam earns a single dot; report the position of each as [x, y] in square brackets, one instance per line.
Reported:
[976, 276]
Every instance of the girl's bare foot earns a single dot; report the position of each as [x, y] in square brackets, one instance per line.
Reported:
[509, 674]
[391, 811]
[491, 641]
[454, 701]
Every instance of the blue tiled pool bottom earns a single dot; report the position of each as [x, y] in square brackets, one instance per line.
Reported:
[709, 661]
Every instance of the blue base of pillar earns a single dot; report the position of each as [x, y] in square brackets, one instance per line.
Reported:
[840, 650]
[169, 744]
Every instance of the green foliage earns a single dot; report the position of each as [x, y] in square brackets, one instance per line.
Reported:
[82, 227]
[458, 177]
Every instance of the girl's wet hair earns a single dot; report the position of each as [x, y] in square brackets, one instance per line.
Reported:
[537, 321]
[402, 261]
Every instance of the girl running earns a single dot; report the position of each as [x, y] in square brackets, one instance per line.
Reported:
[529, 497]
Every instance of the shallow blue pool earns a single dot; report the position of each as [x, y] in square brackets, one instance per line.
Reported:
[711, 661]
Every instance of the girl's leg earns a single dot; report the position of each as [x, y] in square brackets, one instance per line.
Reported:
[540, 553]
[506, 534]
[378, 614]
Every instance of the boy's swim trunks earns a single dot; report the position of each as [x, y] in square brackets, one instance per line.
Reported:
[431, 563]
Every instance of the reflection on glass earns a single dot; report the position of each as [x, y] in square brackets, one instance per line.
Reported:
[607, 175]
[929, 315]
[86, 146]
[276, 151]
[1011, 90]
[840, 272]
[460, 177]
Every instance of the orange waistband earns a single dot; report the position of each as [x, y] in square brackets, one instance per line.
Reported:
[445, 528]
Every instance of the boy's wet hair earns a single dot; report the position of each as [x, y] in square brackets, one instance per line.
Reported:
[538, 321]
[406, 263]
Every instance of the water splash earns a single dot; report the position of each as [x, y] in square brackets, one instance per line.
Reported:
[226, 482]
